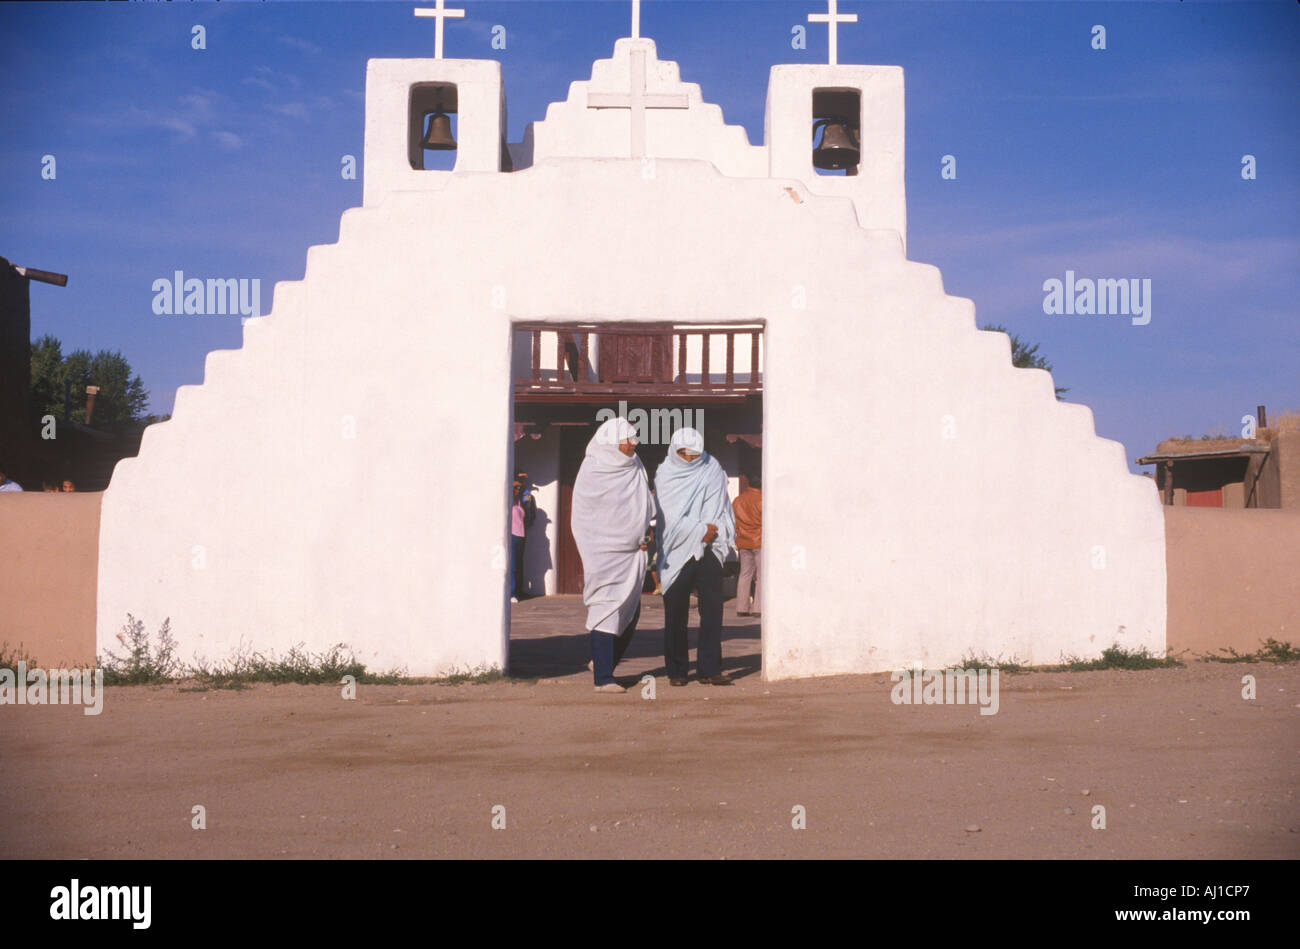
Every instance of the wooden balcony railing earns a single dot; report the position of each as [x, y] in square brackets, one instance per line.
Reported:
[648, 360]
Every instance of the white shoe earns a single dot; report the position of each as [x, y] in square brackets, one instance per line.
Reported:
[610, 687]
[514, 599]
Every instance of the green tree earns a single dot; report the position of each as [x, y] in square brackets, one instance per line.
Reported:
[46, 396]
[1025, 356]
[122, 396]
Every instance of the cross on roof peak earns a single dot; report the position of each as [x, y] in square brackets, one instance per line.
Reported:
[637, 100]
[636, 19]
[439, 13]
[833, 18]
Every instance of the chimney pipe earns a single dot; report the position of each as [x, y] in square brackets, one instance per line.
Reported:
[91, 392]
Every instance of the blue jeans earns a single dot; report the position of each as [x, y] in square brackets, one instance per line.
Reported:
[705, 577]
[516, 565]
[607, 649]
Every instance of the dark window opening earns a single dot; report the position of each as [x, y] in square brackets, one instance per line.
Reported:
[836, 131]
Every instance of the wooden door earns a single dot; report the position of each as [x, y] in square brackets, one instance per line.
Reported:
[636, 358]
[573, 445]
[1205, 498]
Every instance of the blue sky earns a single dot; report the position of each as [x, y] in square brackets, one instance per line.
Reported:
[1124, 162]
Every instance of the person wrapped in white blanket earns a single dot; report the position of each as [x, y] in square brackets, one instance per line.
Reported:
[611, 514]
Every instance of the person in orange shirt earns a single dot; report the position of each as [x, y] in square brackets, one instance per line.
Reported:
[748, 509]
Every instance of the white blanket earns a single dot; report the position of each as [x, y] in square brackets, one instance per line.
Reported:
[612, 510]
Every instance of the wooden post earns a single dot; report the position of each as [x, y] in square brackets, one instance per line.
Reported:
[1253, 467]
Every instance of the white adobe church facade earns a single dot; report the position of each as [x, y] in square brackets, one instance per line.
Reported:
[345, 475]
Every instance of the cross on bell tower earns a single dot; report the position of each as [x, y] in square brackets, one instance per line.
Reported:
[833, 18]
[439, 14]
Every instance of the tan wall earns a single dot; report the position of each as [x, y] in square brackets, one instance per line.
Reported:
[1279, 479]
[49, 566]
[1287, 446]
[1234, 577]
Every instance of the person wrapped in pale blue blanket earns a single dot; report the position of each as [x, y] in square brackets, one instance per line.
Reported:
[696, 533]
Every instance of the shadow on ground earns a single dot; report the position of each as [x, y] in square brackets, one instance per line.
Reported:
[548, 640]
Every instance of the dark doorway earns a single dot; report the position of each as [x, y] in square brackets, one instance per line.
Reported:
[570, 377]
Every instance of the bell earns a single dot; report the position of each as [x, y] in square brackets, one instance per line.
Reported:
[838, 149]
[439, 137]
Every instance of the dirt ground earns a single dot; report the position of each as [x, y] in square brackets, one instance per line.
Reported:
[1182, 764]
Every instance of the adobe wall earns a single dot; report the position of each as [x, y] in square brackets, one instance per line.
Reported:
[1279, 478]
[1234, 578]
[49, 546]
[326, 484]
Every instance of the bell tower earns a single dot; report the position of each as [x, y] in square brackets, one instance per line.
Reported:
[429, 118]
[839, 129]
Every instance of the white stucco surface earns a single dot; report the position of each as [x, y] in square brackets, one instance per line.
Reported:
[344, 477]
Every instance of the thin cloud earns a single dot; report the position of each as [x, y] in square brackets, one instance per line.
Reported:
[1032, 233]
[198, 102]
[298, 43]
[228, 140]
[1216, 264]
[271, 80]
[294, 110]
[136, 117]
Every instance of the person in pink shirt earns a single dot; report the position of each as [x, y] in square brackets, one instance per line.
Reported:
[523, 510]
